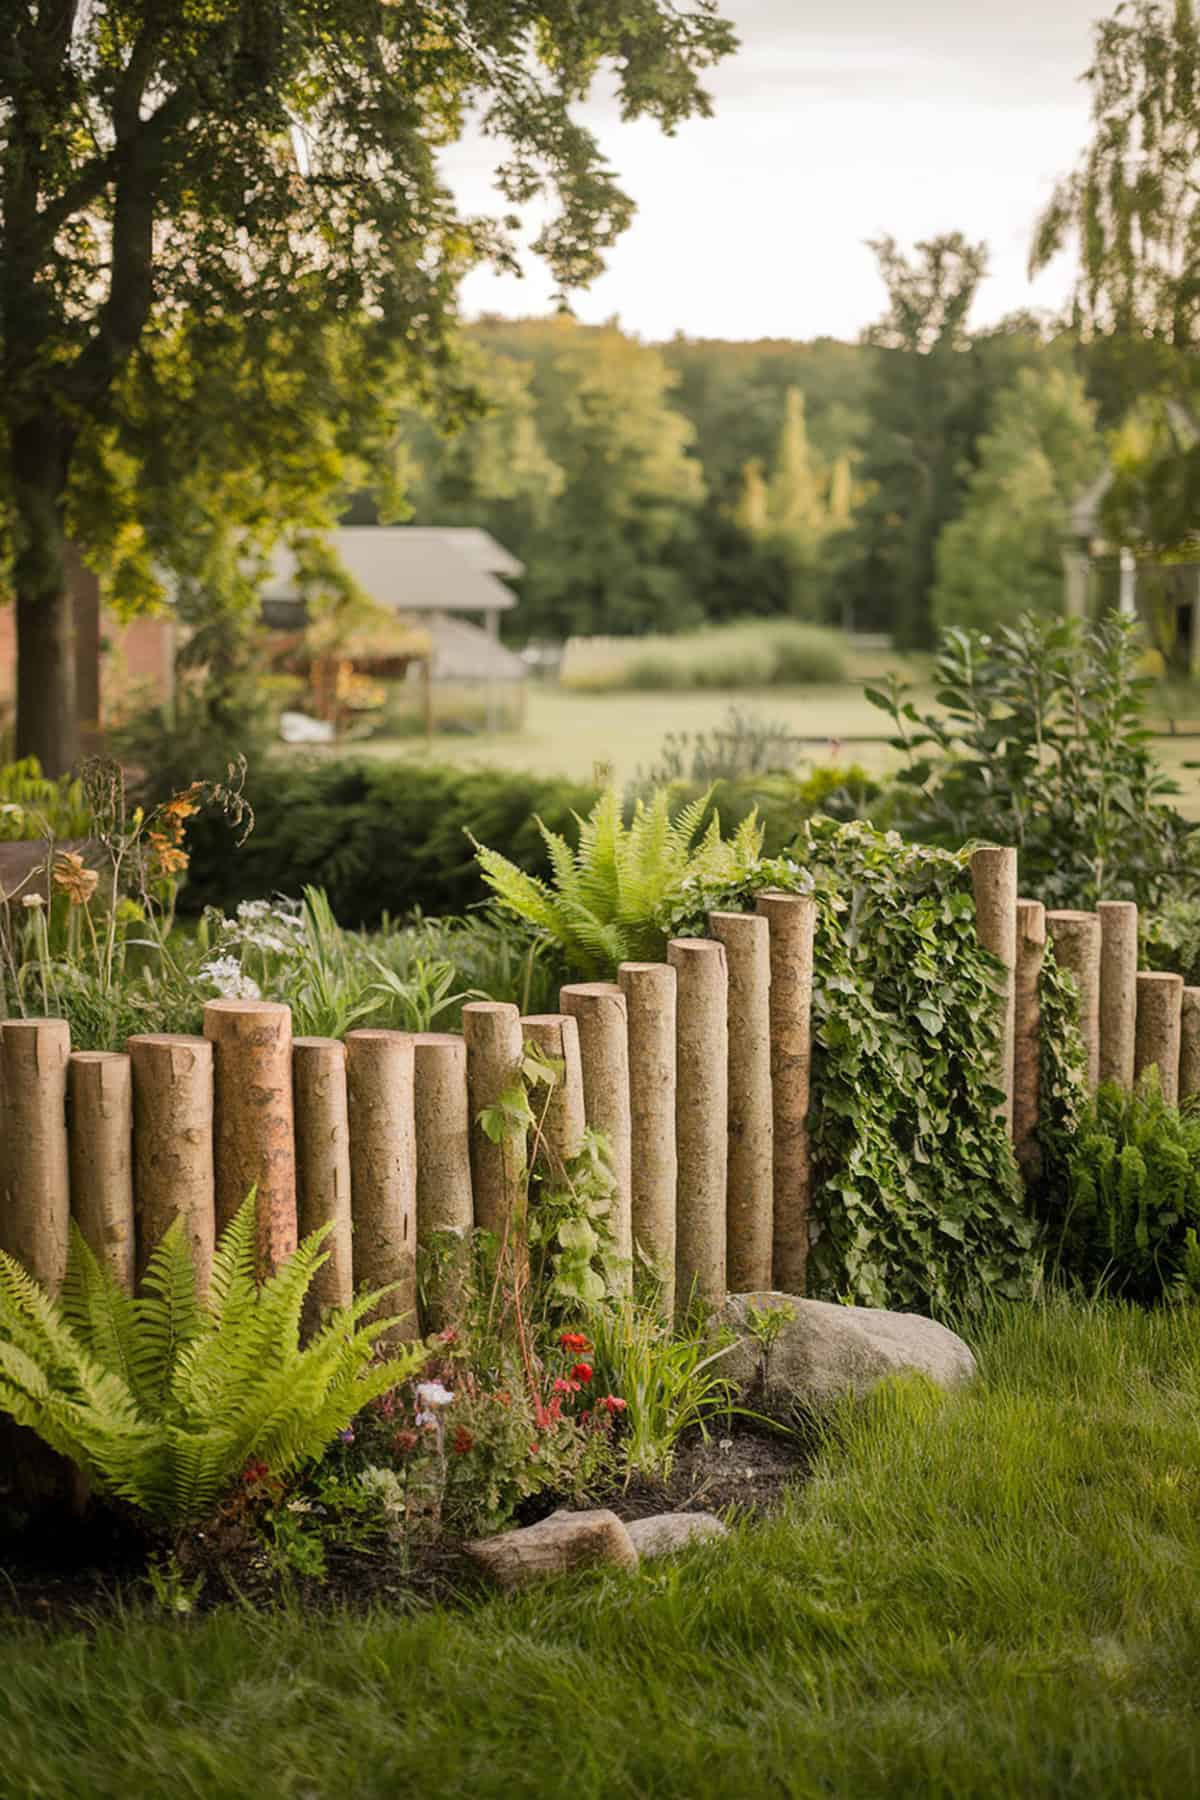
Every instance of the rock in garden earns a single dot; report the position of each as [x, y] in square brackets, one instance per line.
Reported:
[555, 1546]
[665, 1533]
[824, 1351]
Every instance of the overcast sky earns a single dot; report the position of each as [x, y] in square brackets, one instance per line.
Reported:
[837, 121]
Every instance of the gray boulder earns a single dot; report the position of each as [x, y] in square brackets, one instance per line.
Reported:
[825, 1351]
[665, 1533]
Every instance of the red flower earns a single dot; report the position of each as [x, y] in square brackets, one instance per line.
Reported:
[255, 1470]
[502, 1397]
[612, 1403]
[450, 1336]
[582, 1372]
[404, 1441]
[574, 1340]
[562, 1386]
[462, 1440]
[533, 1449]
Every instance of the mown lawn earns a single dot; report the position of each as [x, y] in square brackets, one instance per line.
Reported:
[993, 1595]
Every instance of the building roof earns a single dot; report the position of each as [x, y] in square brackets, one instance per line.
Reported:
[479, 547]
[408, 569]
[463, 652]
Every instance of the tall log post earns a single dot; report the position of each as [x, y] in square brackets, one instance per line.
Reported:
[492, 1030]
[994, 881]
[792, 919]
[1118, 990]
[100, 1107]
[561, 1113]
[1027, 1036]
[750, 1204]
[598, 1008]
[383, 1171]
[445, 1207]
[1076, 940]
[701, 1118]
[649, 990]
[37, 1192]
[254, 1141]
[173, 1145]
[321, 1106]
[1159, 1016]
[1189, 1044]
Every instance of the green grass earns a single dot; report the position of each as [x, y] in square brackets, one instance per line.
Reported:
[992, 1595]
[750, 653]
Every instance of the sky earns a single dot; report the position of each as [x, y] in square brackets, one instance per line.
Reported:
[836, 121]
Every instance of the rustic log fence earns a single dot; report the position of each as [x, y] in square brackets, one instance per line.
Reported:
[697, 1069]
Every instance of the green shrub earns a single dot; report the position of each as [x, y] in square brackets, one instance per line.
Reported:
[162, 1400]
[1171, 939]
[31, 806]
[1129, 1219]
[751, 654]
[379, 838]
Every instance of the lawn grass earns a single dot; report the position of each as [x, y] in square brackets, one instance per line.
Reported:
[996, 1594]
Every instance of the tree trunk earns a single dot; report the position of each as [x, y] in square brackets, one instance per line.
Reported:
[47, 719]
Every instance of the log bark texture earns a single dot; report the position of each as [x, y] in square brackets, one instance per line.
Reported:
[254, 1140]
[1027, 1035]
[750, 1203]
[1076, 940]
[994, 880]
[1159, 1016]
[1118, 990]
[173, 1144]
[1189, 1043]
[598, 1008]
[445, 1206]
[649, 990]
[561, 1113]
[492, 1030]
[321, 1105]
[37, 1190]
[383, 1172]
[792, 919]
[701, 1118]
[100, 1110]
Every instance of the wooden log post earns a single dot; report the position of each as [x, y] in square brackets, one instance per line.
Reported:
[254, 1139]
[649, 990]
[173, 1145]
[492, 1030]
[561, 1113]
[994, 881]
[321, 1106]
[1159, 1017]
[1189, 1044]
[1076, 940]
[1027, 1036]
[383, 1172]
[750, 1203]
[792, 919]
[445, 1208]
[1118, 990]
[34, 1222]
[701, 1119]
[100, 1129]
[598, 1008]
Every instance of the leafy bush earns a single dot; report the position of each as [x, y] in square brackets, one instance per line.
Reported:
[1130, 1216]
[379, 838]
[163, 1400]
[916, 1197]
[33, 807]
[767, 653]
[601, 908]
[1170, 938]
[1040, 742]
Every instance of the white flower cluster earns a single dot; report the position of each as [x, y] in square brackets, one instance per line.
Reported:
[225, 974]
[431, 1397]
[265, 925]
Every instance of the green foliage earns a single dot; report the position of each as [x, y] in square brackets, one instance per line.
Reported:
[1129, 1219]
[775, 653]
[1170, 939]
[1039, 741]
[670, 1384]
[379, 838]
[1062, 1075]
[916, 1199]
[1002, 556]
[745, 745]
[32, 807]
[163, 1399]
[602, 906]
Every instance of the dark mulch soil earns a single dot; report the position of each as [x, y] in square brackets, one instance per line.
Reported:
[65, 1570]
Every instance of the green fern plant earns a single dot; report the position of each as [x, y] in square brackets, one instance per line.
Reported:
[603, 904]
[163, 1399]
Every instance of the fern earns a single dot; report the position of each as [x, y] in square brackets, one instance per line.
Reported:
[606, 897]
[162, 1399]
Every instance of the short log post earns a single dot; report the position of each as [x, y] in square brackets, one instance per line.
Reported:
[1027, 1036]
[100, 1129]
[173, 1145]
[701, 1118]
[750, 1207]
[561, 1113]
[649, 990]
[321, 1108]
[254, 1140]
[1118, 990]
[1189, 1044]
[34, 1223]
[1076, 940]
[445, 1208]
[1159, 1016]
[598, 1008]
[792, 919]
[994, 881]
[383, 1172]
[492, 1030]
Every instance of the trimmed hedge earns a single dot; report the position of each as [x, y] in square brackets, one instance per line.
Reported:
[378, 837]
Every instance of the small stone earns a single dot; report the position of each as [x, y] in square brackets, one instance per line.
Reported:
[555, 1546]
[667, 1532]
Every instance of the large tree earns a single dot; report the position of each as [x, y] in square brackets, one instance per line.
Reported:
[243, 179]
